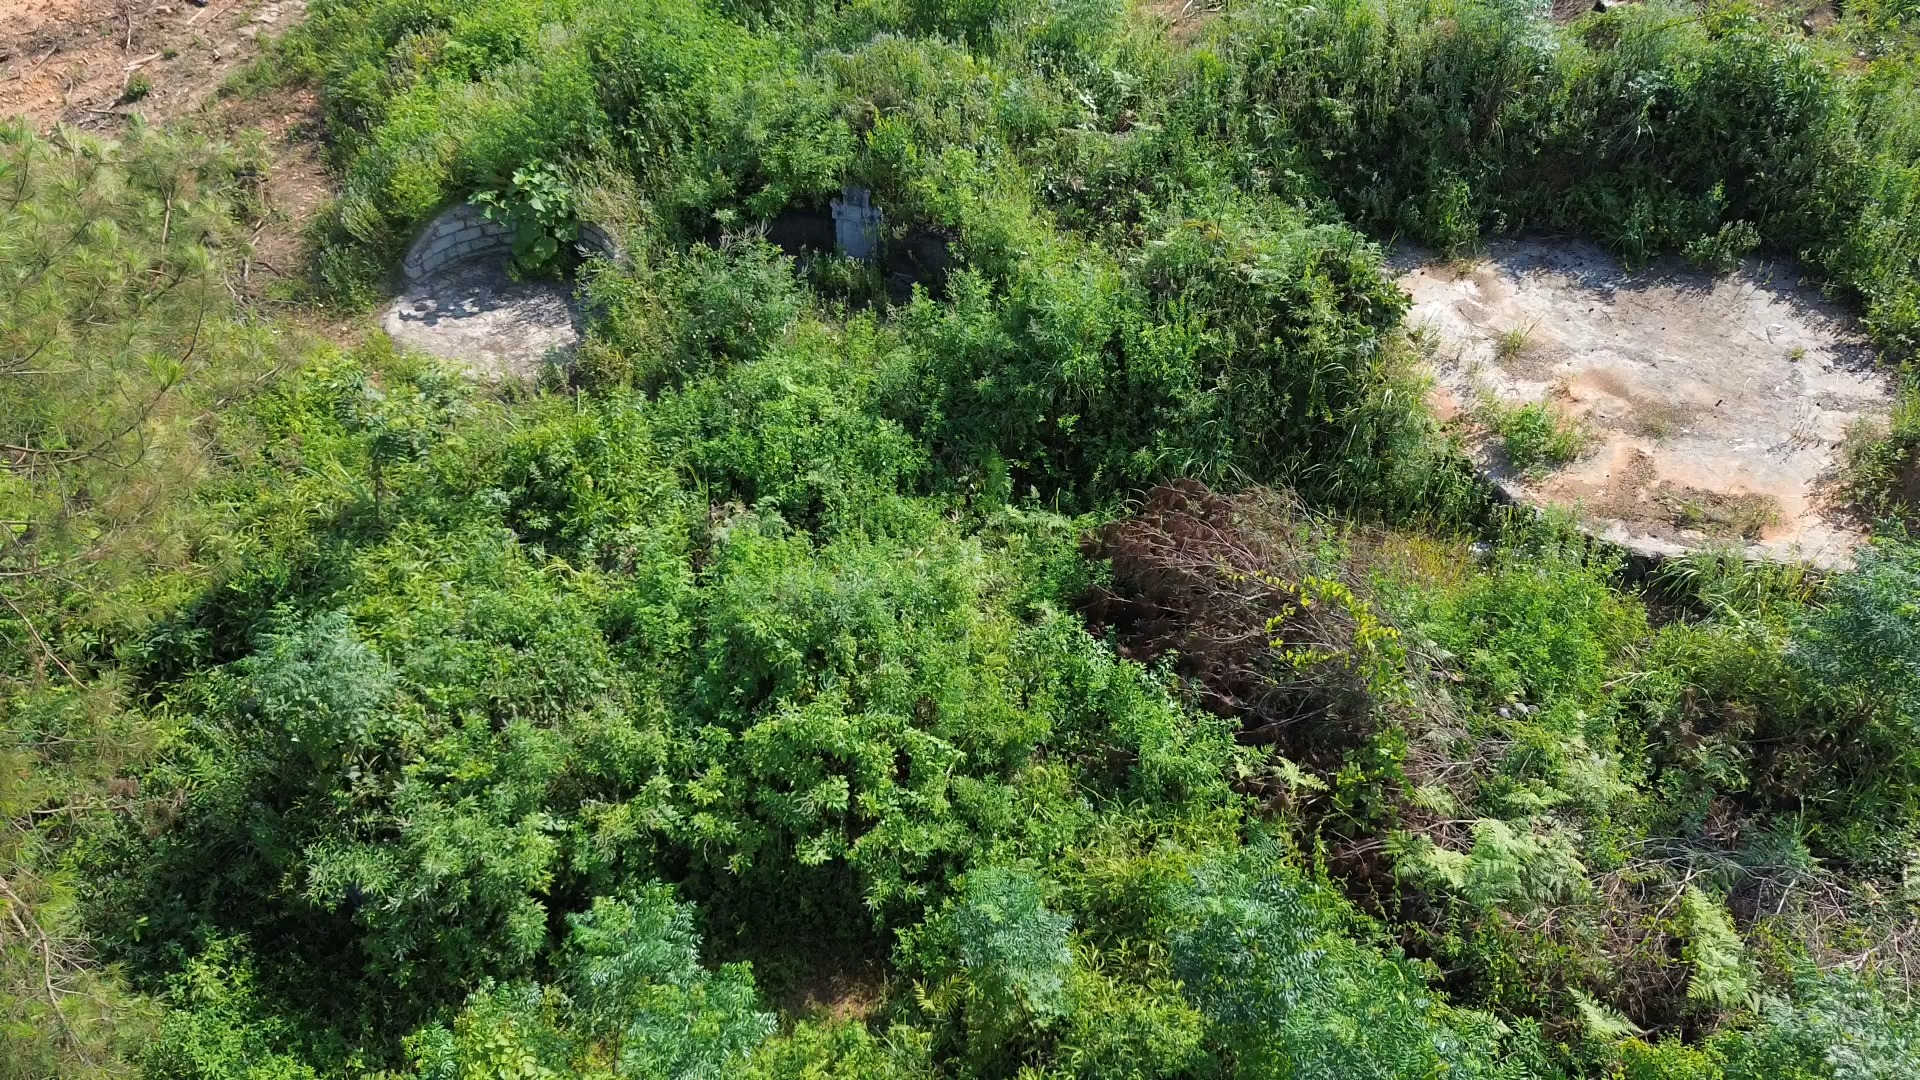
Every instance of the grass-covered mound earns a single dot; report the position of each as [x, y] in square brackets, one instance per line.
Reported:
[1074, 150]
[916, 670]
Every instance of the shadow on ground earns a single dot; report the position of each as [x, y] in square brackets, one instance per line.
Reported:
[478, 316]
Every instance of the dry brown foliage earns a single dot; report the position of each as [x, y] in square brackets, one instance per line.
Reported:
[1227, 588]
[1217, 586]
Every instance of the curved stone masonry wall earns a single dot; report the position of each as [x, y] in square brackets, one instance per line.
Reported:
[461, 233]
[594, 240]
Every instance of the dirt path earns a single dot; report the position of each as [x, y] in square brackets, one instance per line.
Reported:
[96, 64]
[86, 62]
[1716, 406]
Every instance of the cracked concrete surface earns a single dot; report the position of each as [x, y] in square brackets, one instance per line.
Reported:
[1715, 406]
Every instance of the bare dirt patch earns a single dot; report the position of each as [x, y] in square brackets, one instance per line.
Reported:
[843, 989]
[294, 186]
[1185, 20]
[1716, 405]
[95, 63]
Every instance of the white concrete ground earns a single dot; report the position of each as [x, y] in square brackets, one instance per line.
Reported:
[1716, 405]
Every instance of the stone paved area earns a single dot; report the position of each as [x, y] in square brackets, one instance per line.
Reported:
[475, 314]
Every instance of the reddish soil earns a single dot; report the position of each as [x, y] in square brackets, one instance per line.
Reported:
[81, 62]
[95, 65]
[296, 186]
[1184, 19]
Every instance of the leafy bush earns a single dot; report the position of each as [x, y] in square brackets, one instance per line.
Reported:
[1292, 996]
[636, 1002]
[998, 957]
[355, 719]
[699, 311]
[538, 205]
[218, 1028]
[1842, 1027]
[438, 102]
[1879, 468]
[1245, 340]
[1543, 626]
[1861, 652]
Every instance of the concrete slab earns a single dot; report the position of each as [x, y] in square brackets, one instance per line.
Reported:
[473, 313]
[1715, 406]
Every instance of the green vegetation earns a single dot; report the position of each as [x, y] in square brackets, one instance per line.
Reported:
[1513, 342]
[1719, 515]
[538, 205]
[1537, 437]
[1076, 653]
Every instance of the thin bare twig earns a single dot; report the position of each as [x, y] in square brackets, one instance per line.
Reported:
[45, 945]
[48, 649]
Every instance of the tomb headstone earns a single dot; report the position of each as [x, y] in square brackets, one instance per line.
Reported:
[856, 224]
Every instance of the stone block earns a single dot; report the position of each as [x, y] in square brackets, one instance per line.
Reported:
[856, 224]
[462, 232]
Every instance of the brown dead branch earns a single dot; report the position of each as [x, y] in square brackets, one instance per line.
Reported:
[1221, 587]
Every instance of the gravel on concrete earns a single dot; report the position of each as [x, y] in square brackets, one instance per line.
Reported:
[478, 316]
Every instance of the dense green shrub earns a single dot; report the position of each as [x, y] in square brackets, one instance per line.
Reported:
[1543, 626]
[698, 311]
[217, 1027]
[428, 744]
[1536, 438]
[634, 1002]
[1239, 340]
[1264, 957]
[437, 101]
[476, 731]
[1860, 652]
[1841, 1027]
